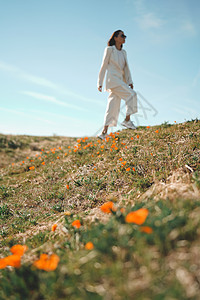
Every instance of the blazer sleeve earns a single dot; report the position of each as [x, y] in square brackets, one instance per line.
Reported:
[127, 72]
[104, 65]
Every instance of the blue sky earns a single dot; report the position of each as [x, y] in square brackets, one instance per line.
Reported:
[51, 52]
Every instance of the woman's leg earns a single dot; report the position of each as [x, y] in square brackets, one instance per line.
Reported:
[112, 111]
[130, 97]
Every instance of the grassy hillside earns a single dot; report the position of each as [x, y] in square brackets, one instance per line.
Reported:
[146, 246]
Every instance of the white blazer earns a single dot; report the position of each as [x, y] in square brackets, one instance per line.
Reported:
[115, 75]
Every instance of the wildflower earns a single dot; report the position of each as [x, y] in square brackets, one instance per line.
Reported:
[43, 163]
[58, 157]
[13, 164]
[146, 229]
[89, 246]
[148, 126]
[95, 169]
[138, 136]
[47, 263]
[108, 207]
[31, 168]
[156, 131]
[138, 217]
[174, 121]
[133, 169]
[131, 138]
[102, 146]
[76, 224]
[120, 159]
[54, 226]
[122, 210]
[65, 154]
[128, 169]
[11, 260]
[27, 157]
[18, 249]
[151, 154]
[69, 147]
[67, 186]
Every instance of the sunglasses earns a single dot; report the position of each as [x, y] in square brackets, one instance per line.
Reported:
[123, 36]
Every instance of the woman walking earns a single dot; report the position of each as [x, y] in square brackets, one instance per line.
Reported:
[119, 83]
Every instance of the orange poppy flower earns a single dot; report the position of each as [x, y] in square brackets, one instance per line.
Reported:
[76, 223]
[148, 126]
[3, 263]
[13, 260]
[138, 217]
[18, 249]
[128, 169]
[138, 136]
[108, 207]
[67, 186]
[146, 229]
[47, 263]
[54, 226]
[43, 163]
[156, 131]
[131, 138]
[133, 169]
[89, 246]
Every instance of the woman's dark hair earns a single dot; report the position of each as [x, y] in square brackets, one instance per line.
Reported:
[111, 41]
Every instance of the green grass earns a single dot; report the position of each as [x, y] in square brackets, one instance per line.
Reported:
[125, 261]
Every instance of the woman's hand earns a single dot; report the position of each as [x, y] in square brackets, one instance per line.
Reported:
[131, 86]
[100, 88]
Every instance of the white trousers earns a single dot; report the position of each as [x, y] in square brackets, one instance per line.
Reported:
[114, 100]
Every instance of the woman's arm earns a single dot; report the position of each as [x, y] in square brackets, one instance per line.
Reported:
[127, 72]
[103, 68]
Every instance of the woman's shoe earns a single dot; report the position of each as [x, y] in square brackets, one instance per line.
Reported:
[128, 124]
[102, 136]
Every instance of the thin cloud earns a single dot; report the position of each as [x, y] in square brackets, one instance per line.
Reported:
[44, 82]
[149, 21]
[51, 99]
[188, 28]
[20, 113]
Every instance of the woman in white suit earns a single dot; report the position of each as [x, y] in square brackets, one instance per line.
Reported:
[119, 83]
